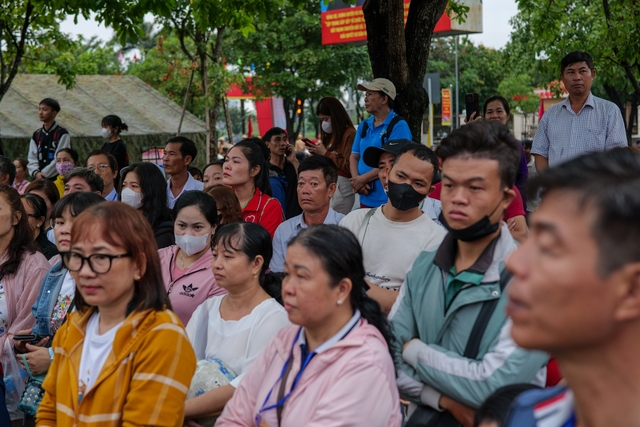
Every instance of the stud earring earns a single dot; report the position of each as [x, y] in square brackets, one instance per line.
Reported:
[136, 278]
[339, 302]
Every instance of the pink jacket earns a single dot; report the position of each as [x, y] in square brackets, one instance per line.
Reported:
[351, 384]
[21, 291]
[192, 288]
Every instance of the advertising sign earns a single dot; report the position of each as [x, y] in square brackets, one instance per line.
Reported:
[446, 107]
[344, 23]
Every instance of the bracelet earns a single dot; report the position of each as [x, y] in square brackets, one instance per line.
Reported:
[50, 354]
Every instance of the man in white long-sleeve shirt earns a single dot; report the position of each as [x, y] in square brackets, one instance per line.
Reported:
[47, 141]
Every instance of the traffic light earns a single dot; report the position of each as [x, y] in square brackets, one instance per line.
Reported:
[299, 104]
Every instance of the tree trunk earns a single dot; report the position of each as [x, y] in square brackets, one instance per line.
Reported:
[227, 119]
[186, 101]
[214, 113]
[400, 54]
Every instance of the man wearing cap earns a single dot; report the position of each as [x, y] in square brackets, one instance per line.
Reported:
[383, 158]
[393, 235]
[383, 125]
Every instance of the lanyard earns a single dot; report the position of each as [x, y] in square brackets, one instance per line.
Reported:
[571, 422]
[281, 402]
[284, 372]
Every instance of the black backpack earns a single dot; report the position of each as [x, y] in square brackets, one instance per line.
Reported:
[385, 136]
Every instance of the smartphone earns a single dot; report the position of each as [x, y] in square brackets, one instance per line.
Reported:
[472, 101]
[32, 338]
[308, 141]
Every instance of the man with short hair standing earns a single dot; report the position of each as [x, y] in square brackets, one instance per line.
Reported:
[317, 180]
[581, 124]
[383, 125]
[179, 153]
[576, 292]
[47, 141]
[283, 161]
[393, 235]
[452, 344]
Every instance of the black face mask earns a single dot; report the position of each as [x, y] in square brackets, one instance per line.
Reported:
[403, 196]
[476, 231]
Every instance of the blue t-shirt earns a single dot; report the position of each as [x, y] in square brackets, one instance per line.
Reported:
[376, 197]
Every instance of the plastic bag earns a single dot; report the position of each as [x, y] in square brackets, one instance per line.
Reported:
[15, 379]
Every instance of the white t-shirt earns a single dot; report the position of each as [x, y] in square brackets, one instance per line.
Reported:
[389, 248]
[60, 308]
[95, 350]
[235, 342]
[4, 314]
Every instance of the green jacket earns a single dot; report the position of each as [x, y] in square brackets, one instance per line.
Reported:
[434, 365]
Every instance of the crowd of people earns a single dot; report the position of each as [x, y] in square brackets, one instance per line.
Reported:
[374, 282]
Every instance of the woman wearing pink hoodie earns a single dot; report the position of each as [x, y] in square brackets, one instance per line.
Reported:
[332, 367]
[186, 266]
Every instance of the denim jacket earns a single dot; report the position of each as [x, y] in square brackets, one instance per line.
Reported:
[47, 297]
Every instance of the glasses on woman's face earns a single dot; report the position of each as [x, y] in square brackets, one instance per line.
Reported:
[98, 263]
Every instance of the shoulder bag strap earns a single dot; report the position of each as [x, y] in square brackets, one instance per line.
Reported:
[473, 345]
[365, 224]
[283, 385]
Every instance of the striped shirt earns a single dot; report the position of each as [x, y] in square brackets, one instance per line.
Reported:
[563, 135]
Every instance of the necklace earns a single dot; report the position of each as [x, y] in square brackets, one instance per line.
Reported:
[182, 262]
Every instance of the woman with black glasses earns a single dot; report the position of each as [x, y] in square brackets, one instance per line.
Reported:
[123, 358]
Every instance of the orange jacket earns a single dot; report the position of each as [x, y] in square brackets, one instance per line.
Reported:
[144, 380]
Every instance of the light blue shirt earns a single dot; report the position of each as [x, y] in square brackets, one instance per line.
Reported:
[288, 230]
[563, 135]
[112, 196]
[373, 138]
[191, 184]
[432, 208]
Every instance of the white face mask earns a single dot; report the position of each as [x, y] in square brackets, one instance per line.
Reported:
[106, 133]
[131, 198]
[192, 244]
[326, 126]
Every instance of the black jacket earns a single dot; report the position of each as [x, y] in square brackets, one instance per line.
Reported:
[163, 233]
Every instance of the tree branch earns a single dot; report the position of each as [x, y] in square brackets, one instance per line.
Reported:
[4, 86]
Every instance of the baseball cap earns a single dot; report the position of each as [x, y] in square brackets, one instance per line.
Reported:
[371, 156]
[382, 85]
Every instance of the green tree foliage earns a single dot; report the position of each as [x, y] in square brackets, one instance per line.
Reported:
[75, 57]
[26, 24]
[520, 93]
[286, 58]
[481, 69]
[166, 68]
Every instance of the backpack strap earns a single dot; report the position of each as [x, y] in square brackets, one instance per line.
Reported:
[365, 128]
[390, 126]
[473, 345]
[365, 224]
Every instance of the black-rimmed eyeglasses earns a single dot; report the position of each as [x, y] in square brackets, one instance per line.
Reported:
[98, 263]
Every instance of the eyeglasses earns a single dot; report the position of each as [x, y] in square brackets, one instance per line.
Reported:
[101, 166]
[98, 263]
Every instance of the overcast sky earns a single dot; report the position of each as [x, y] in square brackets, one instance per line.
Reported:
[496, 15]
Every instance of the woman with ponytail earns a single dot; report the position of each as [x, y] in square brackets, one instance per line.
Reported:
[247, 172]
[333, 366]
[233, 329]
